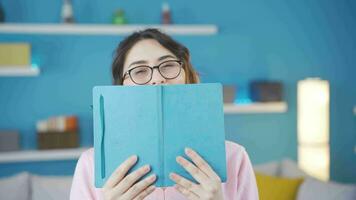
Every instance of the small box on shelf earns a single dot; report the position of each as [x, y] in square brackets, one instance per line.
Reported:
[266, 91]
[58, 132]
[15, 55]
[229, 93]
[57, 140]
[15, 60]
[9, 141]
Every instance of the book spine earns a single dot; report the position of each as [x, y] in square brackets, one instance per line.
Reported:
[161, 174]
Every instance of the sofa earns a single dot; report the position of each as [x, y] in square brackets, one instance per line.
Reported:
[276, 176]
[26, 186]
[285, 180]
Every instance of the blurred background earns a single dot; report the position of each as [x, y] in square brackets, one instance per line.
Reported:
[260, 50]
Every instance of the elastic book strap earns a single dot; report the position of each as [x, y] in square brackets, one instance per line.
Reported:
[160, 134]
[102, 143]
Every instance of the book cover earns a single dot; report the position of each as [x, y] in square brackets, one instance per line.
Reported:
[157, 123]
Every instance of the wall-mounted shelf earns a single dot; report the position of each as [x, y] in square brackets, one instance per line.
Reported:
[102, 29]
[41, 155]
[273, 107]
[19, 71]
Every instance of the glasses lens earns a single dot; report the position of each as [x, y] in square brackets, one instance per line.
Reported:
[141, 75]
[170, 69]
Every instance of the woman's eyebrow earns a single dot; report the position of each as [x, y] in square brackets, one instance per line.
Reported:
[138, 62]
[166, 56]
[145, 62]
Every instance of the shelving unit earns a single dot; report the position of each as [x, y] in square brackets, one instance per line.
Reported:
[253, 108]
[19, 71]
[102, 29]
[41, 155]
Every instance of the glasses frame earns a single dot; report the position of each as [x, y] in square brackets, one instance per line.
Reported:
[128, 72]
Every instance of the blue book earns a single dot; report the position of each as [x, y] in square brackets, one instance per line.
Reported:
[157, 123]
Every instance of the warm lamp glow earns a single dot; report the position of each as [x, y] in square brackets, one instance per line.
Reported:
[315, 161]
[313, 111]
[313, 127]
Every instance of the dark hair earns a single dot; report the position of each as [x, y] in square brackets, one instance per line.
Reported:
[180, 51]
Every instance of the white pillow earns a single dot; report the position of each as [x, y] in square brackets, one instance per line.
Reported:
[312, 189]
[270, 168]
[50, 187]
[290, 169]
[16, 187]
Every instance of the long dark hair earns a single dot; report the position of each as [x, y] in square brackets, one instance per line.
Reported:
[180, 51]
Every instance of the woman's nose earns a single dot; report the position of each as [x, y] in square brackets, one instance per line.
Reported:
[157, 78]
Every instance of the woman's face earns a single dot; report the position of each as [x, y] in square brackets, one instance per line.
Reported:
[149, 52]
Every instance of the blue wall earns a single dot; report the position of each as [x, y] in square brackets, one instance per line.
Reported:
[279, 40]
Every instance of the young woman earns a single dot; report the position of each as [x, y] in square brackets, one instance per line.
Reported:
[150, 57]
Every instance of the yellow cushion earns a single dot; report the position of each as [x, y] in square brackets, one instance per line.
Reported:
[277, 188]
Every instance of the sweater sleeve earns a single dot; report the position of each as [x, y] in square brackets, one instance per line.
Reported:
[83, 180]
[247, 187]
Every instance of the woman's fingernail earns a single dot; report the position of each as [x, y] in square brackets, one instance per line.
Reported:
[133, 158]
[188, 150]
[181, 160]
[153, 177]
[146, 167]
[171, 175]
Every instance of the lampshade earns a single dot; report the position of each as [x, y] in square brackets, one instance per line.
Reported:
[313, 127]
[313, 111]
[315, 160]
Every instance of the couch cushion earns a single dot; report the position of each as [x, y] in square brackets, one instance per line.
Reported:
[270, 168]
[290, 169]
[50, 187]
[272, 187]
[314, 189]
[10, 187]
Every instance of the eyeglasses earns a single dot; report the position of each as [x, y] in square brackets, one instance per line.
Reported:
[143, 74]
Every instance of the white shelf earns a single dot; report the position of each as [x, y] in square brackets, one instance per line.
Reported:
[41, 155]
[273, 107]
[19, 71]
[102, 29]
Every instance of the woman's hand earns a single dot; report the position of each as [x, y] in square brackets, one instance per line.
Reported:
[209, 186]
[120, 186]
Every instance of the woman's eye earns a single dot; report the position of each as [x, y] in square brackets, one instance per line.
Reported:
[169, 65]
[140, 71]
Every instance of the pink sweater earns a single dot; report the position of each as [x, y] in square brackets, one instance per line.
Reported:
[241, 182]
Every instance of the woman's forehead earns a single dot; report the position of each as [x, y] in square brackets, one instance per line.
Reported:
[149, 50]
